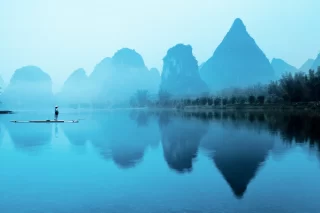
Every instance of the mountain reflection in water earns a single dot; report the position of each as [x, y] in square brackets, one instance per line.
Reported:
[237, 143]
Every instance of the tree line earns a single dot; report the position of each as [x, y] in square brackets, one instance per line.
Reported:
[298, 87]
[291, 88]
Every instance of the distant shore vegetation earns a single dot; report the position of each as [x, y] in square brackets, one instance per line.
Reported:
[299, 89]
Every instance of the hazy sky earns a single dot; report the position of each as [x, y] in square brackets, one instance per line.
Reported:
[62, 35]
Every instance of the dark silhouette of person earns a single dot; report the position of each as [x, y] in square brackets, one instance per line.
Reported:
[56, 113]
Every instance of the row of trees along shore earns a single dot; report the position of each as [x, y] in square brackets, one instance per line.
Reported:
[296, 88]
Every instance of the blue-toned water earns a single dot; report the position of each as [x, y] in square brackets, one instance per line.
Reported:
[140, 161]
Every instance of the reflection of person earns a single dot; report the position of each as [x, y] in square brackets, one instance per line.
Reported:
[56, 113]
[56, 130]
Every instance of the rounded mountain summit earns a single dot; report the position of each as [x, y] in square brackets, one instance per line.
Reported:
[28, 86]
[128, 57]
[237, 61]
[119, 77]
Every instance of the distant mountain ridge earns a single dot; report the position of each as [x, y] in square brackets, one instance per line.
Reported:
[237, 62]
[281, 67]
[316, 63]
[307, 65]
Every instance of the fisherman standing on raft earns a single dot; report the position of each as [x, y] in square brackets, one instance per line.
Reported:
[56, 113]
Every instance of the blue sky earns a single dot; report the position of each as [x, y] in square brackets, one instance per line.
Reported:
[63, 35]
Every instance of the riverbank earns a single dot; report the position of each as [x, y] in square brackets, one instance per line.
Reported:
[312, 106]
[256, 107]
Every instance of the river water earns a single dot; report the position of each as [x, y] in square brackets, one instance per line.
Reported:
[125, 161]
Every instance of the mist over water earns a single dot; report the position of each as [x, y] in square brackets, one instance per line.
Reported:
[160, 161]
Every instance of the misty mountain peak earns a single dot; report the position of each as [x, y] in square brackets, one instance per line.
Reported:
[307, 65]
[181, 51]
[31, 74]
[102, 70]
[128, 57]
[28, 86]
[237, 56]
[79, 72]
[316, 63]
[180, 75]
[238, 26]
[281, 67]
[77, 75]
[278, 62]
[74, 89]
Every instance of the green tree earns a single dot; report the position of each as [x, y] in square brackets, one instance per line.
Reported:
[217, 101]
[261, 99]
[251, 99]
[241, 99]
[164, 97]
[210, 101]
[187, 102]
[233, 100]
[142, 98]
[224, 101]
[287, 86]
[194, 102]
[317, 85]
[203, 101]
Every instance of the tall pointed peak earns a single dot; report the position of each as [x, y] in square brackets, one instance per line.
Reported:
[238, 25]
[237, 51]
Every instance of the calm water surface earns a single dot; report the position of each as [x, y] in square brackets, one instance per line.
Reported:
[139, 161]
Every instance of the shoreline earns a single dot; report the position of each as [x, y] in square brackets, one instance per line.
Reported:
[311, 106]
[305, 107]
[264, 107]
